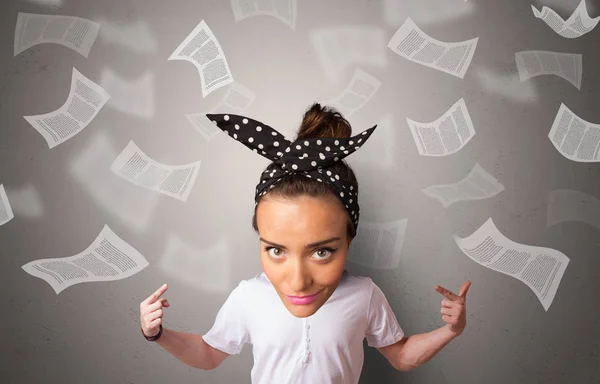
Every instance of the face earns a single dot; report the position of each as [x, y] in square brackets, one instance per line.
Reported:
[303, 248]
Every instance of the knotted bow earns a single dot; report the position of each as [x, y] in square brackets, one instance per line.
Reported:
[309, 157]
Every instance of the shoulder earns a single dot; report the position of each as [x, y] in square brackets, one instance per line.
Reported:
[255, 285]
[356, 287]
[364, 282]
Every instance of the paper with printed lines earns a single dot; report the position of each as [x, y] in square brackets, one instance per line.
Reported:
[541, 269]
[85, 100]
[107, 258]
[72, 32]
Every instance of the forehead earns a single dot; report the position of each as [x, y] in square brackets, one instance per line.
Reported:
[303, 216]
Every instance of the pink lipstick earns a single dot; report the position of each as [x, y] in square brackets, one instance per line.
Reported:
[302, 300]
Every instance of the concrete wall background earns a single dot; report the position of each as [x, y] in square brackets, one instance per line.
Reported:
[90, 332]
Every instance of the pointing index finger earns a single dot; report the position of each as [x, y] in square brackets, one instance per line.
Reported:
[450, 295]
[157, 294]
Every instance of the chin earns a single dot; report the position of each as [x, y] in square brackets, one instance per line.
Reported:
[301, 311]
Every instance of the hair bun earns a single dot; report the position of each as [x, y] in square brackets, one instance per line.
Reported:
[323, 122]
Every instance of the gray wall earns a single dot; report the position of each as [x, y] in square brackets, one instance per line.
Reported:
[90, 332]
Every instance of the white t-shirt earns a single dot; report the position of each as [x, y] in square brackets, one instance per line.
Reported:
[324, 348]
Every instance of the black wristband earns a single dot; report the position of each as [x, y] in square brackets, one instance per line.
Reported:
[155, 337]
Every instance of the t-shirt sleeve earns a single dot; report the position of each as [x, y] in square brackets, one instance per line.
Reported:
[229, 332]
[382, 326]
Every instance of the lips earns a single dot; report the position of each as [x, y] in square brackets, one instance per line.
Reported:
[302, 300]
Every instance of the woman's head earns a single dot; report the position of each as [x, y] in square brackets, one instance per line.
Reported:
[299, 212]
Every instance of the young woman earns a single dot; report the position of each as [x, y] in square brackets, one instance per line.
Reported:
[305, 315]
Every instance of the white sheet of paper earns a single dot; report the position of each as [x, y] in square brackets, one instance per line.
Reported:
[358, 92]
[477, 185]
[577, 25]
[202, 49]
[6, 213]
[413, 44]
[136, 167]
[72, 32]
[536, 63]
[85, 100]
[378, 245]
[107, 258]
[446, 135]
[575, 138]
[541, 269]
[284, 10]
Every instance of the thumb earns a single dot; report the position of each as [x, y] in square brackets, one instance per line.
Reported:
[165, 303]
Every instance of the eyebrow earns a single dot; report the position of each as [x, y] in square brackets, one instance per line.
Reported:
[307, 246]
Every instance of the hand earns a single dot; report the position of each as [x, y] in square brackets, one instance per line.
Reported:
[151, 312]
[454, 308]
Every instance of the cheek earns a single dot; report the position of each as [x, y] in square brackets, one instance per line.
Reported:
[330, 274]
[270, 268]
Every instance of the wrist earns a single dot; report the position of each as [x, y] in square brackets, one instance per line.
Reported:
[155, 337]
[454, 332]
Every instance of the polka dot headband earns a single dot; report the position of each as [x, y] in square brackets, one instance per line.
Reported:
[308, 157]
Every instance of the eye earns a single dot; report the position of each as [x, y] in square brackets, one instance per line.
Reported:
[275, 255]
[324, 253]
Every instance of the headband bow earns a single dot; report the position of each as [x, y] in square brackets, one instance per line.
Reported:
[309, 157]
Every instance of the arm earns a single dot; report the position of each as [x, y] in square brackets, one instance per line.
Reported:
[191, 349]
[415, 350]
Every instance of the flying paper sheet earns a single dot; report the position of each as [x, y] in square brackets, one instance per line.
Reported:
[108, 258]
[478, 185]
[575, 138]
[6, 213]
[136, 167]
[70, 31]
[425, 11]
[85, 100]
[446, 135]
[202, 49]
[412, 43]
[237, 99]
[508, 86]
[537, 63]
[26, 202]
[136, 37]
[541, 269]
[339, 47]
[378, 245]
[207, 270]
[568, 205]
[90, 168]
[577, 25]
[134, 97]
[361, 89]
[284, 10]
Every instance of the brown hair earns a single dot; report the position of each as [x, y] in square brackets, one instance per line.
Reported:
[318, 122]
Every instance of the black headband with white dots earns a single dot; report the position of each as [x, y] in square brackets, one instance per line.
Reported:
[308, 157]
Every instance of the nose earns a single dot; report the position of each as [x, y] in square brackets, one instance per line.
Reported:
[299, 277]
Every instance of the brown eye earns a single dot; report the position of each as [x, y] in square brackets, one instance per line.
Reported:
[274, 252]
[323, 253]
